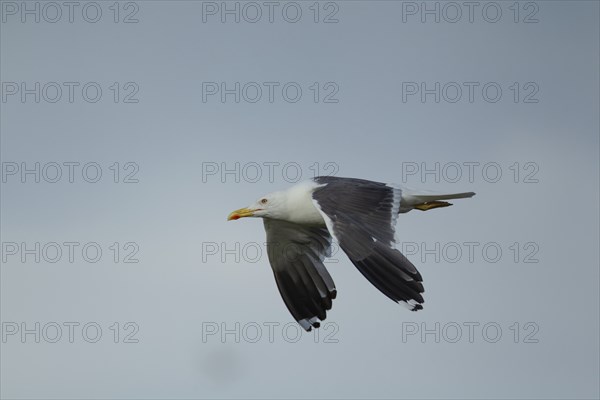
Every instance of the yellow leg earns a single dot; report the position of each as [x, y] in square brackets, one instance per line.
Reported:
[432, 204]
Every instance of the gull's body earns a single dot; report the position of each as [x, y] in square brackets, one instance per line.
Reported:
[299, 205]
[361, 215]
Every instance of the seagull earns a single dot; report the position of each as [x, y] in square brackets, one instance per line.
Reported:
[360, 215]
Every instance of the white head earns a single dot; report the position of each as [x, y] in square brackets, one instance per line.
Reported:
[272, 205]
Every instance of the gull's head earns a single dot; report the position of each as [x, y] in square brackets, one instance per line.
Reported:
[268, 206]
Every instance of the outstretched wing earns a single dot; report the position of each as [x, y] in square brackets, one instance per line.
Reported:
[296, 254]
[362, 215]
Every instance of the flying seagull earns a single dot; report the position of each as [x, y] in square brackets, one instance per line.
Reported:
[361, 216]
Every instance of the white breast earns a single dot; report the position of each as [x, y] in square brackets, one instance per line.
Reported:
[300, 207]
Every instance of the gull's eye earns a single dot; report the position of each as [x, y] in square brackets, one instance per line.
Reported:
[263, 201]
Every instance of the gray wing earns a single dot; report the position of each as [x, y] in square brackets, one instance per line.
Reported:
[362, 215]
[296, 255]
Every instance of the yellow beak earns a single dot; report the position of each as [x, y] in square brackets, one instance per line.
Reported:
[241, 213]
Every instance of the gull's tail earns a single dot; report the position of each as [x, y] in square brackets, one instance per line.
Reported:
[427, 200]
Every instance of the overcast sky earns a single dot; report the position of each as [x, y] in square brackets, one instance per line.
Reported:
[130, 131]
